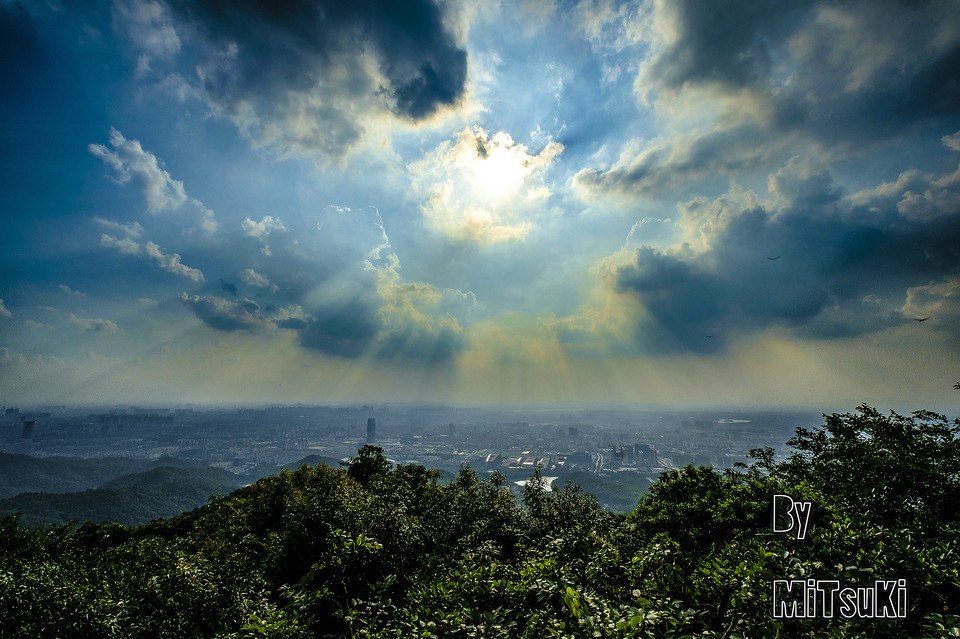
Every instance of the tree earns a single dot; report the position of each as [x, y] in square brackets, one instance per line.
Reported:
[893, 471]
[369, 463]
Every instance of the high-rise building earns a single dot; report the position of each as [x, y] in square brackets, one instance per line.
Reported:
[28, 428]
[646, 455]
[371, 430]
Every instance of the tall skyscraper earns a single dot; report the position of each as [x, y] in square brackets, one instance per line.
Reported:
[371, 430]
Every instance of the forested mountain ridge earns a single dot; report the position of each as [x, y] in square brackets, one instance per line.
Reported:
[26, 474]
[132, 499]
[375, 551]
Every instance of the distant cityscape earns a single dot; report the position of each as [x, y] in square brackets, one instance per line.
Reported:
[602, 441]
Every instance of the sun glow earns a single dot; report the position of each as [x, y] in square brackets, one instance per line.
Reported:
[478, 186]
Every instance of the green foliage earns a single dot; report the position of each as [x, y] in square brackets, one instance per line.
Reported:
[372, 550]
[895, 471]
[368, 463]
[619, 493]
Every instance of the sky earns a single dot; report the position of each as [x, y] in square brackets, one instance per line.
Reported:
[664, 202]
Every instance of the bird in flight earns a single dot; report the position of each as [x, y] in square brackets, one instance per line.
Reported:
[921, 319]
[957, 385]
[773, 259]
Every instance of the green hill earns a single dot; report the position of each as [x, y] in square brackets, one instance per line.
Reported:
[23, 473]
[131, 499]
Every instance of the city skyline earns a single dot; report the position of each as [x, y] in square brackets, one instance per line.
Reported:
[646, 203]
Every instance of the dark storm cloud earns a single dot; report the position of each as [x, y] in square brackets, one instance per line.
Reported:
[346, 331]
[727, 42]
[681, 300]
[295, 72]
[358, 329]
[843, 267]
[841, 71]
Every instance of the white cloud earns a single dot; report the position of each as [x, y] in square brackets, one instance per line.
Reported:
[67, 289]
[418, 320]
[149, 25]
[94, 325]
[125, 245]
[167, 262]
[253, 278]
[134, 229]
[915, 195]
[261, 230]
[3, 310]
[171, 262]
[952, 141]
[940, 301]
[480, 188]
[131, 162]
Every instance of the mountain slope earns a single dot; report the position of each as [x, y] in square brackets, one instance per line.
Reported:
[131, 499]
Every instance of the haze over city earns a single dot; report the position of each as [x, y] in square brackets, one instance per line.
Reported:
[651, 203]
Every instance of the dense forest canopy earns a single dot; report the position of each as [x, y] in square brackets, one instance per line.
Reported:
[375, 550]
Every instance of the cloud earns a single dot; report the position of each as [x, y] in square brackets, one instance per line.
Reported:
[375, 314]
[940, 301]
[171, 262]
[244, 315]
[261, 230]
[866, 65]
[308, 76]
[229, 288]
[352, 304]
[3, 311]
[419, 322]
[167, 262]
[700, 41]
[842, 266]
[611, 26]
[741, 86]
[253, 278]
[650, 231]
[124, 245]
[133, 230]
[67, 289]
[480, 188]
[131, 163]
[344, 330]
[225, 315]
[149, 24]
[916, 195]
[291, 317]
[93, 325]
[666, 163]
